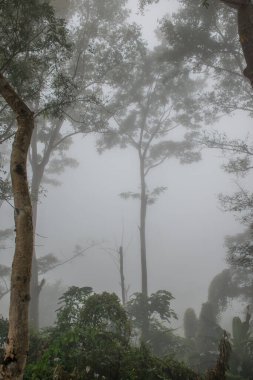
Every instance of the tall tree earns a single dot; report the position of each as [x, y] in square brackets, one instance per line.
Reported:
[28, 33]
[17, 344]
[104, 50]
[122, 276]
[157, 100]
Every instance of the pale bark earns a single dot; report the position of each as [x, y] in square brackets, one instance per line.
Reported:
[18, 340]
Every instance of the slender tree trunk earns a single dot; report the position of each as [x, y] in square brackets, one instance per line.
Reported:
[143, 211]
[38, 169]
[122, 278]
[144, 275]
[34, 288]
[17, 343]
[35, 293]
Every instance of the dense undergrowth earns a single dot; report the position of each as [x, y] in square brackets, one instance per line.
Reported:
[94, 337]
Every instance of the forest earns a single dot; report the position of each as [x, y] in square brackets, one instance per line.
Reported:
[126, 203]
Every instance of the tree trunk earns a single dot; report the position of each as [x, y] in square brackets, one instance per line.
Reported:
[35, 293]
[144, 275]
[143, 211]
[34, 287]
[245, 31]
[17, 343]
[122, 278]
[38, 169]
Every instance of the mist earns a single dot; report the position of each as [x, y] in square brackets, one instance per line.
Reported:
[82, 220]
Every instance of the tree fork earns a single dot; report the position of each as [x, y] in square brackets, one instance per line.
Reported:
[18, 340]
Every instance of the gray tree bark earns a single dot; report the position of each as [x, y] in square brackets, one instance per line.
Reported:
[144, 272]
[122, 277]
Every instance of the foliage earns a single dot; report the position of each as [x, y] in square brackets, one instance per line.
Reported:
[103, 51]
[209, 40]
[157, 99]
[32, 58]
[190, 324]
[234, 359]
[224, 286]
[149, 367]
[239, 152]
[205, 3]
[91, 339]
[3, 335]
[242, 347]
[213, 50]
[142, 3]
[34, 41]
[229, 284]
[202, 335]
[218, 55]
[46, 263]
[5, 187]
[222, 364]
[155, 102]
[240, 251]
[71, 303]
[151, 196]
[209, 332]
[157, 307]
[95, 329]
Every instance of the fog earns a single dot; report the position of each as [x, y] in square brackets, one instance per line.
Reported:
[185, 227]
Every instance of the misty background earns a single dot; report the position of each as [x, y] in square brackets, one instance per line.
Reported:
[185, 227]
